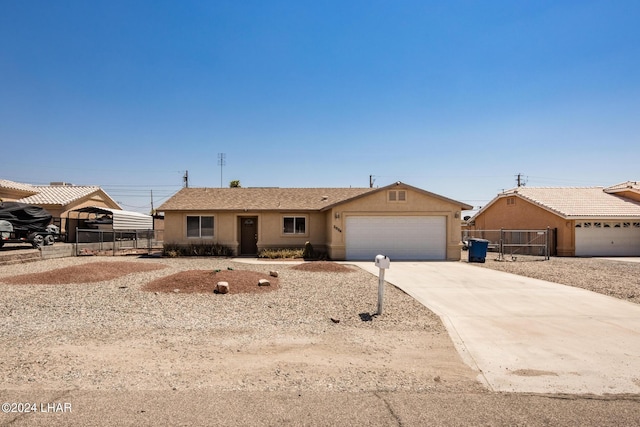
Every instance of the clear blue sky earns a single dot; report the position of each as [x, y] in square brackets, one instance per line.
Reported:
[455, 97]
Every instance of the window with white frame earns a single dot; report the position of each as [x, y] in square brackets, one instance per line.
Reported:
[199, 226]
[294, 225]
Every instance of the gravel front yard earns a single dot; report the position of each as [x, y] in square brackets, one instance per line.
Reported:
[619, 279]
[130, 324]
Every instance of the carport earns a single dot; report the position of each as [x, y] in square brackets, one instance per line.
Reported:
[100, 228]
[93, 218]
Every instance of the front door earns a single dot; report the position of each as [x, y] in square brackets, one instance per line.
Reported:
[248, 235]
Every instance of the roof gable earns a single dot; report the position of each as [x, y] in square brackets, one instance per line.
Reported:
[402, 186]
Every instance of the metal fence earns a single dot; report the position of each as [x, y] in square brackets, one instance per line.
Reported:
[109, 242]
[513, 243]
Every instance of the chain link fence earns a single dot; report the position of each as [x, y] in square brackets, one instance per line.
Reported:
[108, 242]
[517, 245]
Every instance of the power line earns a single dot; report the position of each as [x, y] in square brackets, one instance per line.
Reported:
[139, 185]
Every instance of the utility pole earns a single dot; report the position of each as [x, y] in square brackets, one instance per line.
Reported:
[152, 213]
[221, 162]
[520, 180]
[371, 180]
[185, 179]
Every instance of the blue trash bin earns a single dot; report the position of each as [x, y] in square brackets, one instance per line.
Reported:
[478, 250]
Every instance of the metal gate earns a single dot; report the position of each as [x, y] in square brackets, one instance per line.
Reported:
[515, 243]
[107, 242]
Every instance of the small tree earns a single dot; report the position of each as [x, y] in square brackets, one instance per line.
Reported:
[235, 184]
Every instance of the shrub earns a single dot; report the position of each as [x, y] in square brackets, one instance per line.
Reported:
[281, 253]
[307, 253]
[195, 249]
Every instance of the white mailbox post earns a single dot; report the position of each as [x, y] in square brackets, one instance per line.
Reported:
[382, 262]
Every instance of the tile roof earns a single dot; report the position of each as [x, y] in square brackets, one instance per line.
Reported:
[578, 202]
[624, 186]
[59, 194]
[260, 198]
[5, 183]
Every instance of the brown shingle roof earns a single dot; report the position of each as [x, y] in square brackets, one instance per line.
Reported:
[260, 198]
[579, 202]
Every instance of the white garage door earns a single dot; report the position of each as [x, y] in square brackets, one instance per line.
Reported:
[398, 237]
[608, 239]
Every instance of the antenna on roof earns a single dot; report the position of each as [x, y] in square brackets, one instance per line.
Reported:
[221, 162]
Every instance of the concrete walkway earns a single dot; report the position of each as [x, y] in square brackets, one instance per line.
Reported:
[528, 335]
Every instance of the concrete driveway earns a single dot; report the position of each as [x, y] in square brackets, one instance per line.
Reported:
[625, 259]
[528, 335]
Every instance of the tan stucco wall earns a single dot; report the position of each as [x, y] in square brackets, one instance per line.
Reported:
[524, 215]
[226, 229]
[270, 233]
[377, 203]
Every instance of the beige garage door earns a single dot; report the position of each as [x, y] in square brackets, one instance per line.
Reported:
[608, 238]
[398, 237]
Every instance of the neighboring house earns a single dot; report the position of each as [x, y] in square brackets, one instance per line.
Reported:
[400, 221]
[588, 221]
[58, 198]
[629, 190]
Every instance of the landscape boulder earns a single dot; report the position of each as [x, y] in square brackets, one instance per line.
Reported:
[222, 287]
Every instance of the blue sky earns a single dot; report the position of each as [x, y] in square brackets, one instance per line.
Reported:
[455, 97]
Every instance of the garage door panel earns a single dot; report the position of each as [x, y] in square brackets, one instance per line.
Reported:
[608, 241]
[398, 237]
